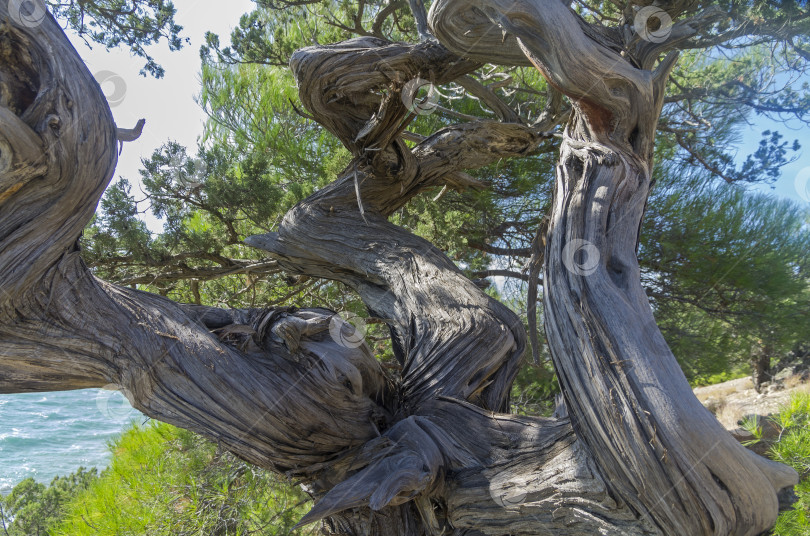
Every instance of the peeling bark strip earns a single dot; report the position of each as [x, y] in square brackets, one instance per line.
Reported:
[424, 453]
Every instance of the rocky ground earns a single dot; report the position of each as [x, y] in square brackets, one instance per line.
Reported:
[736, 400]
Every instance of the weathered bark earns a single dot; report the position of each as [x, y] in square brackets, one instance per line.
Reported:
[62, 328]
[425, 452]
[630, 403]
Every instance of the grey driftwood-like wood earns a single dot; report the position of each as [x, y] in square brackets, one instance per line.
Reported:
[430, 451]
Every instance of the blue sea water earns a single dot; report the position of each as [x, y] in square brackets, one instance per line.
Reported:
[43, 435]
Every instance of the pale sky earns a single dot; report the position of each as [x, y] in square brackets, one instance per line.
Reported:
[168, 104]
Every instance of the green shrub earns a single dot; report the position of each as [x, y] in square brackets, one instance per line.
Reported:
[793, 448]
[31, 509]
[162, 481]
[167, 481]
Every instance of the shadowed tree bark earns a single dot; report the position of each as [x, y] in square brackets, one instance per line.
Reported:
[428, 452]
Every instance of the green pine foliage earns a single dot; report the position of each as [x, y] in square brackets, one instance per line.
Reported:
[168, 481]
[134, 24]
[726, 271]
[162, 481]
[792, 447]
[34, 509]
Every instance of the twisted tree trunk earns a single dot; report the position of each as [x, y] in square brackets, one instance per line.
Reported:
[427, 452]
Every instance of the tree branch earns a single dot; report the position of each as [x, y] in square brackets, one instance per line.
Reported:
[495, 250]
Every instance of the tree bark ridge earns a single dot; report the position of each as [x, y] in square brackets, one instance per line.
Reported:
[629, 402]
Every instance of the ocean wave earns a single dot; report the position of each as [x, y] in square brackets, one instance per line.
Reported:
[52, 435]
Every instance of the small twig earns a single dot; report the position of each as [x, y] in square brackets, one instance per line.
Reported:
[535, 264]
[412, 136]
[357, 192]
[488, 97]
[3, 519]
[129, 134]
[87, 522]
[301, 113]
[440, 194]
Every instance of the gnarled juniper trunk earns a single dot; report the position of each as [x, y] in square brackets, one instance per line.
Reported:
[659, 448]
[426, 452]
